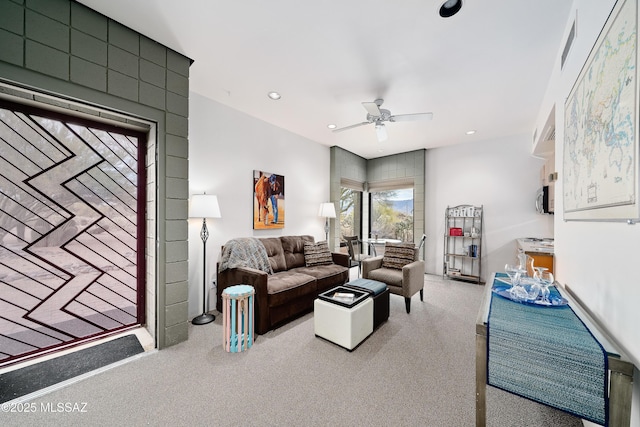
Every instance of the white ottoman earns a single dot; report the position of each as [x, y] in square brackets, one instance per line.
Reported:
[343, 324]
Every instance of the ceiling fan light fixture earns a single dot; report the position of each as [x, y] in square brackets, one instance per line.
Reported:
[274, 95]
[450, 8]
[381, 132]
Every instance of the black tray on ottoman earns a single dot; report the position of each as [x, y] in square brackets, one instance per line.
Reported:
[344, 296]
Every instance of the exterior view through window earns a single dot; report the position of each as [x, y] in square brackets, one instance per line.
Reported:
[349, 212]
[392, 215]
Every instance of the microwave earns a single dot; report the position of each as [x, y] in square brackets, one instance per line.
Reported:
[544, 200]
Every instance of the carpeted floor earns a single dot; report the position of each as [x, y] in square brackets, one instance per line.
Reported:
[417, 369]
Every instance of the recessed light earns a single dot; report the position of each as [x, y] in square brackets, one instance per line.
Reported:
[450, 8]
[332, 126]
[470, 132]
[274, 95]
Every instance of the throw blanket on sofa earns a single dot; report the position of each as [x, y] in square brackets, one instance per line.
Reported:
[245, 252]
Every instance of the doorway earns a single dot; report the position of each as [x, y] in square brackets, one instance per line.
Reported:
[72, 230]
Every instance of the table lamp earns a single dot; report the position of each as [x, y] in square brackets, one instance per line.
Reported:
[204, 206]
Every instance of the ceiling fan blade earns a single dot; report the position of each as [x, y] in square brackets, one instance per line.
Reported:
[411, 117]
[351, 127]
[372, 108]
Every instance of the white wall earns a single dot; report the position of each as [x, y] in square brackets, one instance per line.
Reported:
[598, 260]
[225, 147]
[501, 175]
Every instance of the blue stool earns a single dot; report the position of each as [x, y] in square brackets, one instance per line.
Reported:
[237, 318]
[380, 294]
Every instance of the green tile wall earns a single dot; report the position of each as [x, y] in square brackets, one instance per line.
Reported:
[63, 47]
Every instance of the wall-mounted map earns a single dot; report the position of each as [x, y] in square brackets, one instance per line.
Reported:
[600, 177]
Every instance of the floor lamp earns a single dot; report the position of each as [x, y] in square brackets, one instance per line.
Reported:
[327, 210]
[204, 206]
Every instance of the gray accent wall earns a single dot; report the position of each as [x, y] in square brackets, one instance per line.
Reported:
[344, 164]
[410, 165]
[64, 49]
[400, 166]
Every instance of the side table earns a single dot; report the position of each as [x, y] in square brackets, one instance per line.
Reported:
[237, 318]
[621, 369]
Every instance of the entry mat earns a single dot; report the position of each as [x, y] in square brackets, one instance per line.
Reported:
[44, 374]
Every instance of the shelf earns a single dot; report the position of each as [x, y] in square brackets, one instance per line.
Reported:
[463, 276]
[465, 219]
[462, 255]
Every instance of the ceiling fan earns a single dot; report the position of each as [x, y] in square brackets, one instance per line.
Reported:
[378, 116]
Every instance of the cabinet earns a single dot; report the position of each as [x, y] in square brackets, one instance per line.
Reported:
[541, 250]
[463, 243]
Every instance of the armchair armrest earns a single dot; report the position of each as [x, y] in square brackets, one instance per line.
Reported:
[340, 259]
[370, 264]
[412, 278]
[252, 277]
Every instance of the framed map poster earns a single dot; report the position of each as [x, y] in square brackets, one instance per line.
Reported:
[600, 166]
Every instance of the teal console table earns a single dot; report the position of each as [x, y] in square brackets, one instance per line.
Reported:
[619, 374]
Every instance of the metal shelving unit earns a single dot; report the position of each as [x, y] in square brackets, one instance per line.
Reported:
[463, 243]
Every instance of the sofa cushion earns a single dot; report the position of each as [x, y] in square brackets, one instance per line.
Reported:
[397, 255]
[317, 254]
[293, 247]
[285, 286]
[327, 276]
[275, 252]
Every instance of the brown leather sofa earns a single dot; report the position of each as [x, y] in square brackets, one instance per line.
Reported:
[290, 291]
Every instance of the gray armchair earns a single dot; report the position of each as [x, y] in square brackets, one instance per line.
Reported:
[405, 282]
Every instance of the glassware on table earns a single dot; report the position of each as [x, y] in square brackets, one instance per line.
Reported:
[526, 263]
[534, 291]
[511, 270]
[545, 278]
[517, 291]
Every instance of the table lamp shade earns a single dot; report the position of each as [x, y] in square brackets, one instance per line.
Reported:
[327, 210]
[204, 206]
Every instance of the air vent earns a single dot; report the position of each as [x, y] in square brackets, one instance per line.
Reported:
[568, 44]
[551, 135]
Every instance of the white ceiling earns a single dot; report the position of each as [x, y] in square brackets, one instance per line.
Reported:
[486, 68]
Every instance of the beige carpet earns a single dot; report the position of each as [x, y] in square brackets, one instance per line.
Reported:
[416, 370]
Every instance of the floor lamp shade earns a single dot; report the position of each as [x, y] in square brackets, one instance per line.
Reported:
[327, 210]
[204, 206]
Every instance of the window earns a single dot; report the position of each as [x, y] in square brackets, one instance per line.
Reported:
[350, 212]
[392, 214]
